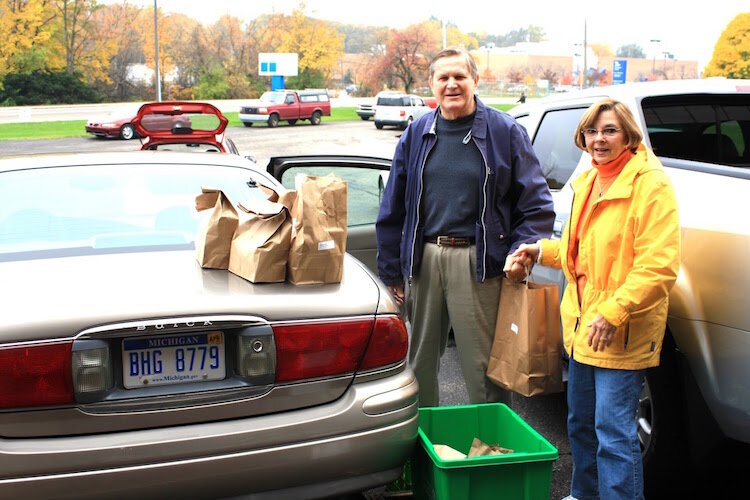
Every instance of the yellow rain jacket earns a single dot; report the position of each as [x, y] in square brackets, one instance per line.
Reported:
[630, 251]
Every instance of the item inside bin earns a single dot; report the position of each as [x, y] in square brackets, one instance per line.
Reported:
[445, 452]
[480, 448]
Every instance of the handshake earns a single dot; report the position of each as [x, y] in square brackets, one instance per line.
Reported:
[518, 264]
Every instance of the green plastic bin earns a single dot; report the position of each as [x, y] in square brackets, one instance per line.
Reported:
[524, 474]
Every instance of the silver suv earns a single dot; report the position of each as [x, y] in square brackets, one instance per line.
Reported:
[398, 109]
[695, 404]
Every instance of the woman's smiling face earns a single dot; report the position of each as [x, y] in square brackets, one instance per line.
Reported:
[604, 149]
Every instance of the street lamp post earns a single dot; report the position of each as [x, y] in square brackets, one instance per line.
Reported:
[653, 51]
[156, 55]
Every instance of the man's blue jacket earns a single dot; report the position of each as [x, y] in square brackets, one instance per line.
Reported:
[515, 203]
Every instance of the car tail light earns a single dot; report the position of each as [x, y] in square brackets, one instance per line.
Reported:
[402, 113]
[36, 375]
[313, 350]
[389, 343]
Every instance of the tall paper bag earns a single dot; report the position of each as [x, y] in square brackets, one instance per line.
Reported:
[319, 235]
[214, 237]
[260, 247]
[527, 349]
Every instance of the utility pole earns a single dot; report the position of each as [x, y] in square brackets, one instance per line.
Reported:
[156, 55]
[585, 49]
[444, 37]
[654, 41]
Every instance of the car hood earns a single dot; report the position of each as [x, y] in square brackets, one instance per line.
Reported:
[257, 102]
[59, 297]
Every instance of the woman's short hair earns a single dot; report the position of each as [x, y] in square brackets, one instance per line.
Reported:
[470, 63]
[624, 116]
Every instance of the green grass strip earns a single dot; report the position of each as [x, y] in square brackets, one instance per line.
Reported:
[77, 128]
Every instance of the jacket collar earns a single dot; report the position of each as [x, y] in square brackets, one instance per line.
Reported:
[478, 129]
[643, 161]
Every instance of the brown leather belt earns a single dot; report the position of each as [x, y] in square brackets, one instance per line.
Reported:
[450, 241]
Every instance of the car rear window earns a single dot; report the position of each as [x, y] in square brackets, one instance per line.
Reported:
[707, 128]
[393, 101]
[104, 208]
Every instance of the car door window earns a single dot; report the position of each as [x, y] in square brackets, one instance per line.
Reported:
[706, 128]
[554, 146]
[364, 186]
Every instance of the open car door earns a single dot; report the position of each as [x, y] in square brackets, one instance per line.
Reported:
[364, 176]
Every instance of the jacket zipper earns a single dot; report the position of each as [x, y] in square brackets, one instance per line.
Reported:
[484, 203]
[627, 337]
[419, 202]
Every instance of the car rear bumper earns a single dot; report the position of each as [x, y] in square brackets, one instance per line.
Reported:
[361, 441]
[398, 123]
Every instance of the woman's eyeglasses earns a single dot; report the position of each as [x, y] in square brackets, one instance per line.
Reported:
[606, 132]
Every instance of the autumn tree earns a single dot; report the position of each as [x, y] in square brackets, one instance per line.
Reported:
[454, 37]
[77, 40]
[529, 34]
[731, 57]
[119, 24]
[631, 50]
[318, 47]
[407, 57]
[26, 31]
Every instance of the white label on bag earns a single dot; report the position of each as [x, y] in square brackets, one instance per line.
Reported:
[326, 245]
[514, 328]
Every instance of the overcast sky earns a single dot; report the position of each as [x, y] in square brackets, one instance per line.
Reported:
[687, 29]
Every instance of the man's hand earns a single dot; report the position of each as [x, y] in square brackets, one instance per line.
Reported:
[398, 293]
[514, 270]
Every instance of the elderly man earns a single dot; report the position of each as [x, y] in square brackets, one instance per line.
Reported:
[465, 190]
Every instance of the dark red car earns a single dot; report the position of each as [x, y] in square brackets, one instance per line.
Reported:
[119, 123]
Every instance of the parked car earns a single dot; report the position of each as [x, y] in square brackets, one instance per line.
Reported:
[288, 105]
[398, 109]
[695, 405]
[365, 110]
[269, 390]
[201, 129]
[119, 123]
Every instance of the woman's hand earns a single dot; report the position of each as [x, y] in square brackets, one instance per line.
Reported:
[526, 255]
[601, 333]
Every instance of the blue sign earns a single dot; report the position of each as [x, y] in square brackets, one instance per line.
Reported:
[619, 71]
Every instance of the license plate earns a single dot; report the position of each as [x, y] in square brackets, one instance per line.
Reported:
[172, 359]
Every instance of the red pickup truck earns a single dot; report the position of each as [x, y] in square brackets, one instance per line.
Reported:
[289, 105]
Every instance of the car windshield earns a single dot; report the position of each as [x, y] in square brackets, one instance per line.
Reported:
[59, 211]
[277, 97]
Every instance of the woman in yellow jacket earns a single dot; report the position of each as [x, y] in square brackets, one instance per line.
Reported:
[620, 253]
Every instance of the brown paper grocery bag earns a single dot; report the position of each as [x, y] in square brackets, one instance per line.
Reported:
[214, 238]
[319, 234]
[526, 352]
[260, 247]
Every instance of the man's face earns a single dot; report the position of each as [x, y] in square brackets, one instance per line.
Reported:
[453, 87]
